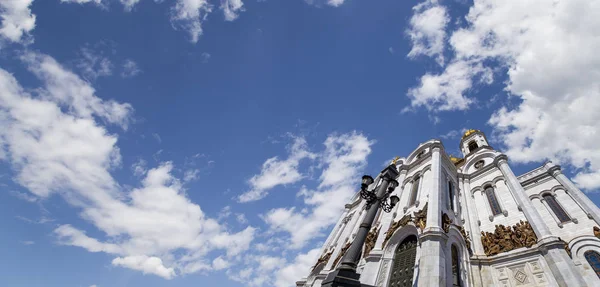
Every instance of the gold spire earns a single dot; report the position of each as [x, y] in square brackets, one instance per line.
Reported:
[395, 160]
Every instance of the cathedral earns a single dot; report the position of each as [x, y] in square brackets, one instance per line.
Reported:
[471, 222]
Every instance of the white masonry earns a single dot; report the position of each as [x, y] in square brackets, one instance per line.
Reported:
[465, 198]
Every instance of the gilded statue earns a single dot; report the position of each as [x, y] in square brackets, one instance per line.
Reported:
[446, 221]
[370, 241]
[323, 259]
[465, 235]
[597, 232]
[400, 223]
[507, 238]
[342, 252]
[420, 217]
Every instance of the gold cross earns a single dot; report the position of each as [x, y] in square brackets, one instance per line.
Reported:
[395, 160]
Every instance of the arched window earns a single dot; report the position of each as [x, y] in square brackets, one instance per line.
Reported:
[404, 263]
[451, 195]
[556, 208]
[593, 258]
[455, 267]
[472, 146]
[414, 191]
[493, 200]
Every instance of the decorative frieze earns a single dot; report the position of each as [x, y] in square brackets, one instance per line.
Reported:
[507, 238]
[420, 217]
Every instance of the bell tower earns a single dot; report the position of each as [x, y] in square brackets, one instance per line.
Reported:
[472, 141]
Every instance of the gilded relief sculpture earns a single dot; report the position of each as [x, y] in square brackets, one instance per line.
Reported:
[370, 241]
[446, 221]
[323, 259]
[342, 252]
[597, 232]
[507, 238]
[420, 217]
[400, 223]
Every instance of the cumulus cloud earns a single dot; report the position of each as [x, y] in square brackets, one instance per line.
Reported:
[345, 156]
[94, 64]
[427, 30]
[548, 50]
[288, 275]
[231, 8]
[151, 265]
[189, 15]
[130, 69]
[17, 20]
[55, 145]
[277, 172]
[333, 3]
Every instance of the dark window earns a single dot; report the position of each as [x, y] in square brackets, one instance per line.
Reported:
[404, 263]
[451, 195]
[558, 211]
[593, 258]
[455, 267]
[472, 146]
[491, 196]
[414, 191]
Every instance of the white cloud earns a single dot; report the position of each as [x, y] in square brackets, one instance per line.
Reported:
[151, 265]
[28, 242]
[288, 275]
[334, 3]
[241, 218]
[277, 172]
[445, 91]
[427, 30]
[189, 15]
[54, 144]
[231, 8]
[97, 2]
[549, 50]
[139, 167]
[94, 64]
[219, 263]
[130, 69]
[190, 175]
[24, 196]
[344, 158]
[17, 20]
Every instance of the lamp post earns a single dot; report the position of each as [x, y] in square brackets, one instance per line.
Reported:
[345, 274]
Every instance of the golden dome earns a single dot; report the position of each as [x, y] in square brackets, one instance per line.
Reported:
[454, 159]
[469, 132]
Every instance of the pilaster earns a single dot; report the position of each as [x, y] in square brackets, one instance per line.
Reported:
[558, 260]
[432, 261]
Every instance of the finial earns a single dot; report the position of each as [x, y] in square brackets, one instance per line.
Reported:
[395, 160]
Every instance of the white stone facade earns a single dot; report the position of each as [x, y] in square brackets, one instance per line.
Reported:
[528, 198]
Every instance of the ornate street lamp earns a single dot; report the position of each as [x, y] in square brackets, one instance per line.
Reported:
[345, 274]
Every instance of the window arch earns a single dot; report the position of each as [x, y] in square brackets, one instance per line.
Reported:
[556, 208]
[404, 263]
[493, 200]
[455, 267]
[593, 258]
[414, 190]
[473, 146]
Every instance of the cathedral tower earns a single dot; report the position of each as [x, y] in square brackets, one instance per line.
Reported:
[472, 222]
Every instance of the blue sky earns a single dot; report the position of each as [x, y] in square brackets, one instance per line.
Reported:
[196, 143]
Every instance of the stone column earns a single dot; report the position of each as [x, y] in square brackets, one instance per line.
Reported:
[432, 261]
[558, 260]
[590, 209]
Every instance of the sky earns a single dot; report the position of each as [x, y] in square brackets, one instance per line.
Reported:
[215, 143]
